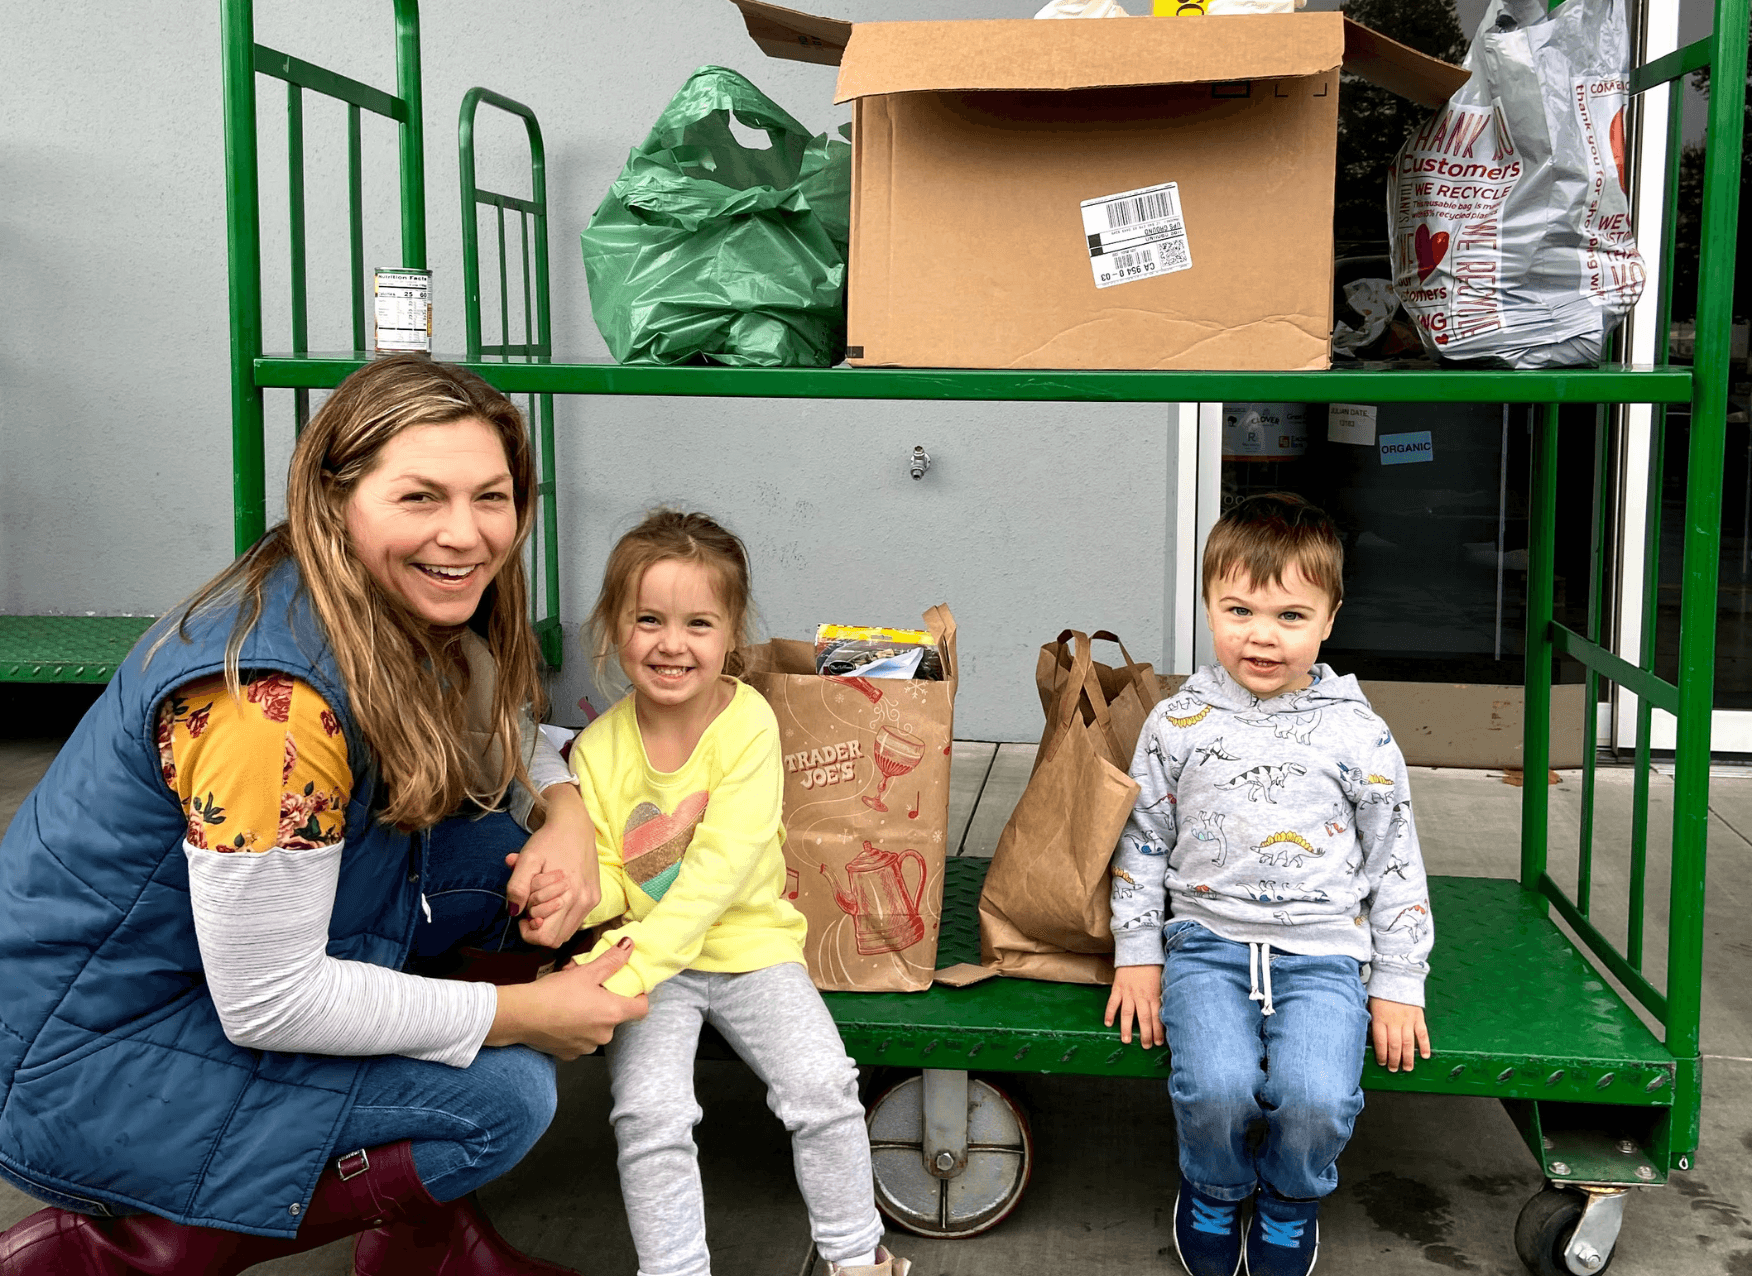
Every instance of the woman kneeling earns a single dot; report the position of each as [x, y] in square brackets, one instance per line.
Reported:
[308, 791]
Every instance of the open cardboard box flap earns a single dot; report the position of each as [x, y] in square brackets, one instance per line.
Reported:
[799, 37]
[1390, 65]
[1023, 53]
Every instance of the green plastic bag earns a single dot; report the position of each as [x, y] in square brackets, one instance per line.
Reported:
[707, 250]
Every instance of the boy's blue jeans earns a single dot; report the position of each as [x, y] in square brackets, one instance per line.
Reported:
[1293, 1077]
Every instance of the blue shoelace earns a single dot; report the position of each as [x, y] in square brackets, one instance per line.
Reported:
[1285, 1233]
[1213, 1219]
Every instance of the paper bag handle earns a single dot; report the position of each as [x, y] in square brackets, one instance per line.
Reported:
[1132, 667]
[940, 623]
[1058, 719]
[1085, 684]
[1082, 677]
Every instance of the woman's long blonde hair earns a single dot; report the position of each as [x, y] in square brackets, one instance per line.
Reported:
[403, 676]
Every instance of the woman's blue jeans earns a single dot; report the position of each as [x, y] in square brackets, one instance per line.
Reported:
[1261, 1098]
[468, 1125]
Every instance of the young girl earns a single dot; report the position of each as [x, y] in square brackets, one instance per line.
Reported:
[683, 780]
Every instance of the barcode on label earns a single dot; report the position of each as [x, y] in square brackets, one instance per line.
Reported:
[1136, 234]
[1149, 206]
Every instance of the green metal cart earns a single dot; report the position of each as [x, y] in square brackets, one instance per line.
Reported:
[1519, 1010]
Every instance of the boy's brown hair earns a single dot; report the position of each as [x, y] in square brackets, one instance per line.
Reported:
[1265, 534]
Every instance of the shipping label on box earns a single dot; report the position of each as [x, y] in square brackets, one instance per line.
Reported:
[1136, 235]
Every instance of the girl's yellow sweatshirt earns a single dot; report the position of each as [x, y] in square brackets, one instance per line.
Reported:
[692, 860]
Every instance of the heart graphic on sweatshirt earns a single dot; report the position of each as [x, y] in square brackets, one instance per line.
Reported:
[1430, 251]
[653, 843]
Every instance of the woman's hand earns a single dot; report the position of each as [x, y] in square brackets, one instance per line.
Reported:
[569, 1013]
[1137, 991]
[554, 879]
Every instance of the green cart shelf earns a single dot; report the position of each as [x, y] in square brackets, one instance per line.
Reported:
[1519, 1011]
[66, 648]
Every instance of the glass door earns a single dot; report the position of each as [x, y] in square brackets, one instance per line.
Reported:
[1653, 514]
[1431, 503]
[1650, 506]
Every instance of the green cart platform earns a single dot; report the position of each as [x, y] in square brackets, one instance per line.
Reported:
[66, 648]
[1557, 1028]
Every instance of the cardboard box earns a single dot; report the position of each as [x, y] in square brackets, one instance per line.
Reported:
[1123, 193]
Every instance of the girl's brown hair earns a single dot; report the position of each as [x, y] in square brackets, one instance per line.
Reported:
[404, 677]
[665, 534]
[1264, 534]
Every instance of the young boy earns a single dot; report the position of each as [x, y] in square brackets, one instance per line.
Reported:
[1275, 819]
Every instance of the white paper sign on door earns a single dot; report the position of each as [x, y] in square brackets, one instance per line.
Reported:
[1351, 423]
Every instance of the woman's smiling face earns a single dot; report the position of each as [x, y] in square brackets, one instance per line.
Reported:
[435, 518]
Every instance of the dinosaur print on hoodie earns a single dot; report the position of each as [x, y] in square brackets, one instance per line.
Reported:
[1287, 821]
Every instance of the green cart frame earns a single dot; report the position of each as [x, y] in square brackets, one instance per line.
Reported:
[1518, 1010]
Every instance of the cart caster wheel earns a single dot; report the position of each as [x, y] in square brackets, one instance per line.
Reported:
[1000, 1155]
[1543, 1231]
[874, 1082]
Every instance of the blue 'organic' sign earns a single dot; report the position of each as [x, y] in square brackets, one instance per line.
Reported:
[1407, 449]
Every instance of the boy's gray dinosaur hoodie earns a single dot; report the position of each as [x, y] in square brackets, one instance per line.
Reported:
[1284, 822]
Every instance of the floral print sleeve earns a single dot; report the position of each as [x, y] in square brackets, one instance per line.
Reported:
[264, 771]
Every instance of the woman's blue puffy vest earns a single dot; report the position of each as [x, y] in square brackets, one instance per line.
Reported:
[117, 1083]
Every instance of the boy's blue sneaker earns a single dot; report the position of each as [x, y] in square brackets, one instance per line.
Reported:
[1284, 1238]
[1207, 1233]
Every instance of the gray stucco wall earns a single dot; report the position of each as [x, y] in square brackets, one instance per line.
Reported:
[114, 400]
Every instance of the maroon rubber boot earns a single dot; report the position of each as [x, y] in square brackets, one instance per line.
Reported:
[453, 1239]
[369, 1188]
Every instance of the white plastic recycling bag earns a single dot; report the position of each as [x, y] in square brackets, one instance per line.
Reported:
[1512, 243]
[1081, 9]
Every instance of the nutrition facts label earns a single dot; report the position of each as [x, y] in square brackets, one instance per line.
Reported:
[404, 310]
[1136, 235]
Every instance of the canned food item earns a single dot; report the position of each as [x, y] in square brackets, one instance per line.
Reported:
[404, 309]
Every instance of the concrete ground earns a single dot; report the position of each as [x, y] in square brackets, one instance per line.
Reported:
[1428, 1184]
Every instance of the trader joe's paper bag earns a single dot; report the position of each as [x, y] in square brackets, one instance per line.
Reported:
[866, 810]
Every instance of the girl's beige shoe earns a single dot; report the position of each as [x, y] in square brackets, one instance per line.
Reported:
[886, 1265]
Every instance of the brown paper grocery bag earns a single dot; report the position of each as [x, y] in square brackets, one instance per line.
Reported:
[1043, 913]
[1131, 689]
[866, 810]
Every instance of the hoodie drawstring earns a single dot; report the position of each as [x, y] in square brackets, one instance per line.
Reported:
[1259, 955]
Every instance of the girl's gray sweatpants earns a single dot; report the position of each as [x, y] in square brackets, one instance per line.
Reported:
[774, 1019]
